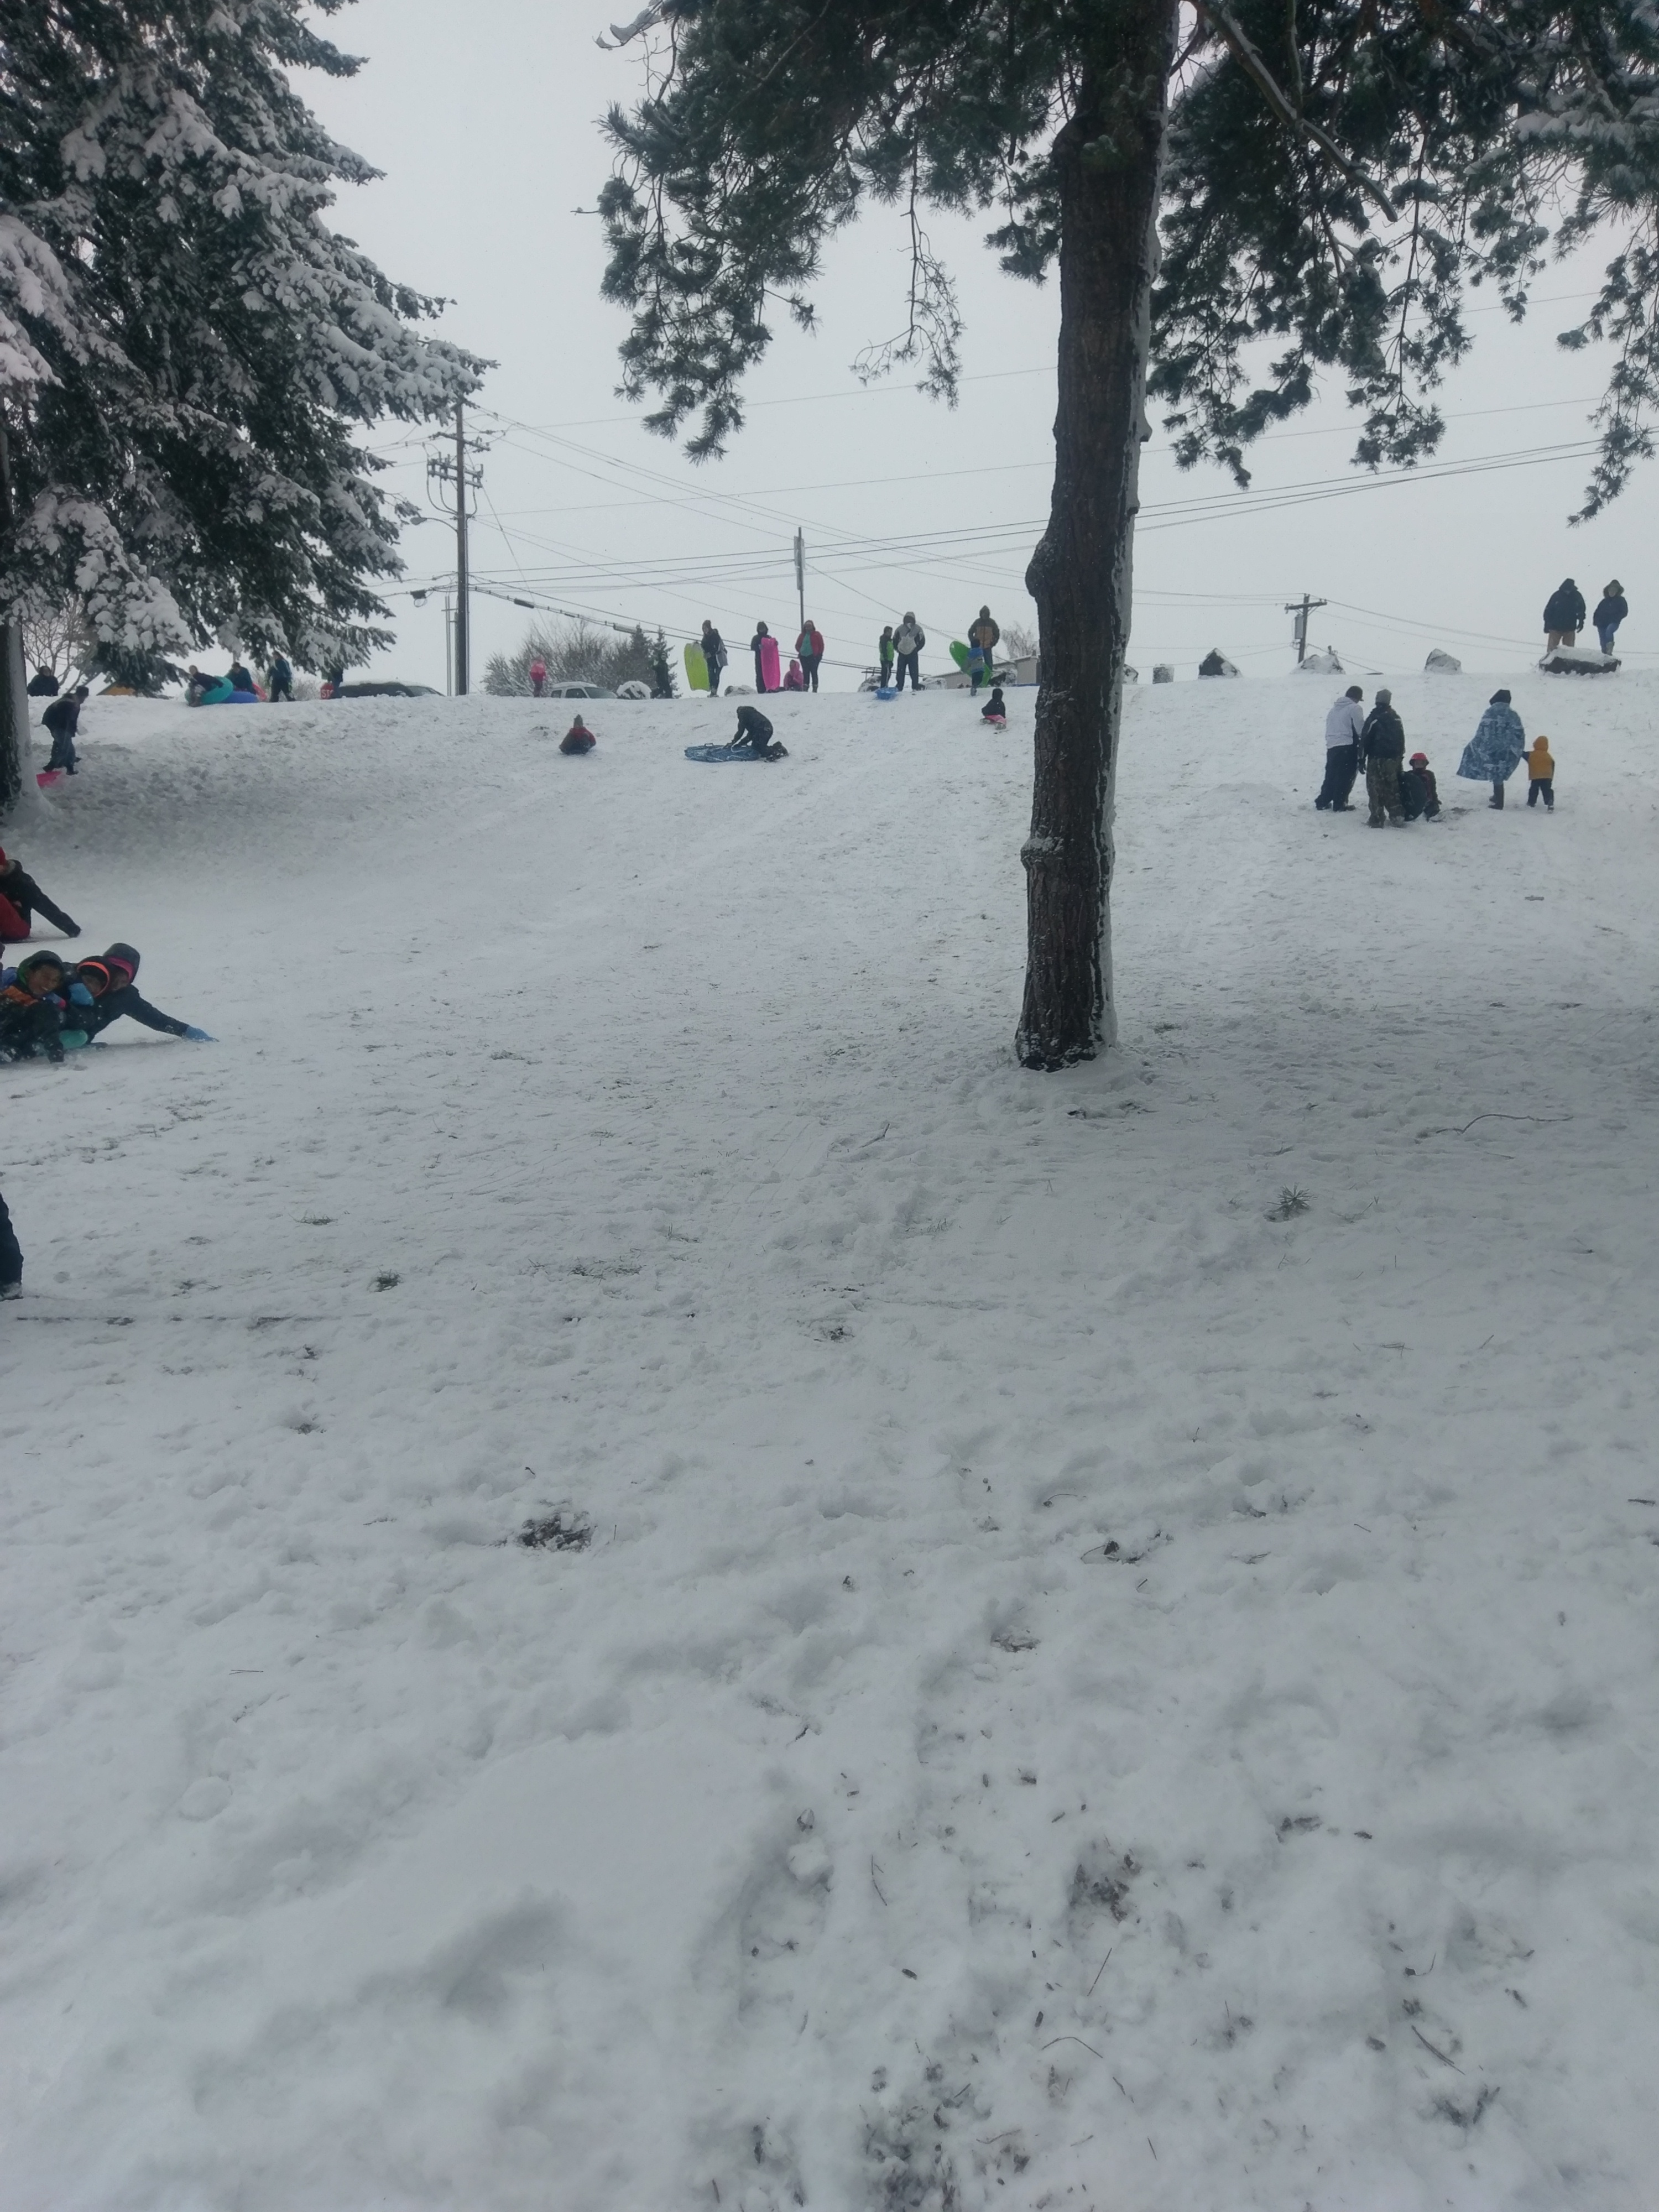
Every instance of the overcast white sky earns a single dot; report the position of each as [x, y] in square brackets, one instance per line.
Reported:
[485, 118]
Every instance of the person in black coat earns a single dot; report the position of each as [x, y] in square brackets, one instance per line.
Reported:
[755, 735]
[62, 719]
[11, 1257]
[1610, 611]
[279, 683]
[19, 891]
[1382, 749]
[1564, 615]
[714, 657]
[114, 994]
[43, 684]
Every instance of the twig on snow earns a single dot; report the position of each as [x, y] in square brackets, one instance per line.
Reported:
[1100, 1970]
[1440, 2055]
[1467, 1126]
[874, 1884]
[1075, 2039]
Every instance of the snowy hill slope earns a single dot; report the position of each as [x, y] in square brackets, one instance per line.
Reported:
[1079, 1693]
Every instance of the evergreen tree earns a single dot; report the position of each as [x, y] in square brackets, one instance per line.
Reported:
[571, 652]
[187, 351]
[662, 685]
[1329, 177]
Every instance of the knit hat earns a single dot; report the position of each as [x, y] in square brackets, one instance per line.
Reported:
[1419, 760]
[100, 972]
[122, 956]
[1383, 698]
[38, 960]
[1498, 699]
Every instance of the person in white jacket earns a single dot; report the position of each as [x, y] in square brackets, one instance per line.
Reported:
[1342, 727]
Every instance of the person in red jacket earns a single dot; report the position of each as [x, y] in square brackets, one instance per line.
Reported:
[20, 894]
[809, 646]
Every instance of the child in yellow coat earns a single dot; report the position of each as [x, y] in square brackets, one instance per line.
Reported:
[1540, 773]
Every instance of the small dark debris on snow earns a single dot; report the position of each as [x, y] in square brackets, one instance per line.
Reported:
[567, 1531]
[1291, 1202]
[1300, 1826]
[1015, 1639]
[1114, 1555]
[1374, 2042]
[387, 1282]
[1465, 2118]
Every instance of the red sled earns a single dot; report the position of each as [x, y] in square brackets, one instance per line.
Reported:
[45, 777]
[14, 930]
[768, 664]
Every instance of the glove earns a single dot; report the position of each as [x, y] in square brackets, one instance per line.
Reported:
[73, 930]
[200, 1036]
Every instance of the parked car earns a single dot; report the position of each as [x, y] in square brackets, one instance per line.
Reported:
[387, 689]
[577, 691]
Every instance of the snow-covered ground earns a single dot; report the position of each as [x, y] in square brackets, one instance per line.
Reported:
[1080, 1693]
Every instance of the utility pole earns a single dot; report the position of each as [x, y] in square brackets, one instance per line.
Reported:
[467, 476]
[449, 648]
[800, 579]
[463, 582]
[1302, 609]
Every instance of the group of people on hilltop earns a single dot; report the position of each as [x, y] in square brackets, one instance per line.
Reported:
[1564, 615]
[240, 687]
[898, 653]
[802, 673]
[1400, 792]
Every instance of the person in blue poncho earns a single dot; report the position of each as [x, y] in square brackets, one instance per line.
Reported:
[1493, 753]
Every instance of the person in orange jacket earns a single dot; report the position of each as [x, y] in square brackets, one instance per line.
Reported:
[809, 646]
[1541, 774]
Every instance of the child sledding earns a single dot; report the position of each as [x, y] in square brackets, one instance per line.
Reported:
[47, 1008]
[753, 742]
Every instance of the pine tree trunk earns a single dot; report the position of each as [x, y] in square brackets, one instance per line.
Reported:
[16, 783]
[1110, 158]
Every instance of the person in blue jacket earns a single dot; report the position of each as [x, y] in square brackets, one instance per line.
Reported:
[1493, 753]
[1610, 611]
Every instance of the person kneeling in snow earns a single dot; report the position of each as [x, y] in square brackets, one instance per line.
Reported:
[755, 735]
[1419, 792]
[20, 894]
[994, 710]
[32, 1009]
[114, 993]
[578, 738]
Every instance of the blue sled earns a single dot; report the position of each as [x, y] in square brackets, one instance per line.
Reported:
[721, 753]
